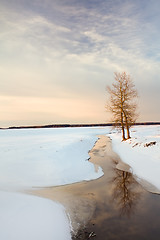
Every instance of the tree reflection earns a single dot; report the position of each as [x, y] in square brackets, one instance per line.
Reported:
[126, 192]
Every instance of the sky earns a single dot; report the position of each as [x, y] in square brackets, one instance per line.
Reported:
[58, 56]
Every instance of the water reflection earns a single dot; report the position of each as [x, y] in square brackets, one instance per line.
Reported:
[125, 192]
[96, 206]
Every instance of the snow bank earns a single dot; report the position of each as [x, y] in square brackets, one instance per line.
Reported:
[46, 157]
[24, 217]
[141, 152]
[37, 158]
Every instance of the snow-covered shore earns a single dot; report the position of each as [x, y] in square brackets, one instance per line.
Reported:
[141, 152]
[52, 157]
[41, 158]
[47, 157]
[25, 217]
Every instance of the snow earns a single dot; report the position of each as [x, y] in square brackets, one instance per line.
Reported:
[37, 158]
[51, 157]
[47, 157]
[30, 218]
[144, 161]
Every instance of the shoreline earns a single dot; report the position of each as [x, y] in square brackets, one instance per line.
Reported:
[80, 199]
[79, 207]
[144, 183]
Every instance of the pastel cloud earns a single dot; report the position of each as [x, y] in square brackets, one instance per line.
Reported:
[68, 51]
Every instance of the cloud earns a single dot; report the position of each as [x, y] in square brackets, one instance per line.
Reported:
[70, 49]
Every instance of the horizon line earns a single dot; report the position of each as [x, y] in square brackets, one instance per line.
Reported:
[67, 125]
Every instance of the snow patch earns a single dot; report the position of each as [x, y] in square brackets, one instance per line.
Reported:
[141, 152]
[29, 218]
[38, 158]
[47, 157]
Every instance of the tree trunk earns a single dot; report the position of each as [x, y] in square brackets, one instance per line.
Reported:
[127, 126]
[123, 133]
[122, 115]
[122, 125]
[128, 133]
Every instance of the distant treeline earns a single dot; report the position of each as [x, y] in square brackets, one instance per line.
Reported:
[78, 125]
[64, 126]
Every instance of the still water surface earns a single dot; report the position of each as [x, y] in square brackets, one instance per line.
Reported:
[124, 210]
[112, 207]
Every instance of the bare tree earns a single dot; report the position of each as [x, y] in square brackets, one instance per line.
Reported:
[122, 102]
